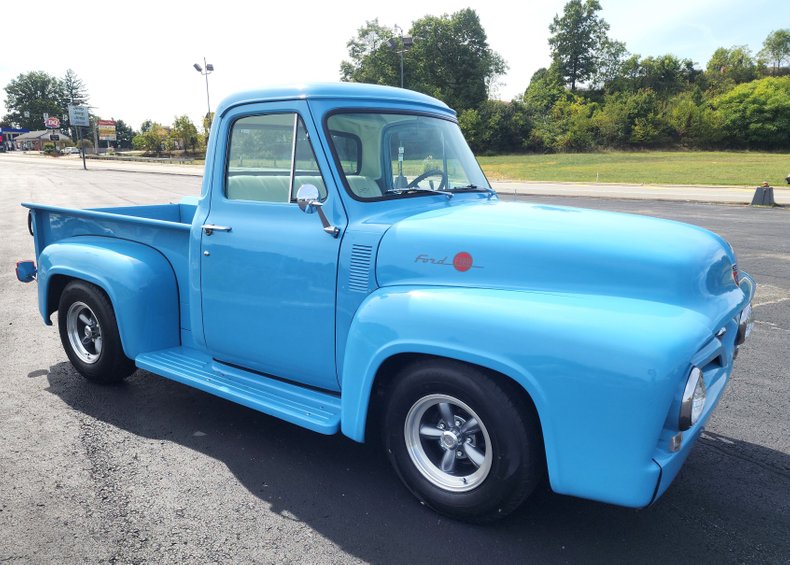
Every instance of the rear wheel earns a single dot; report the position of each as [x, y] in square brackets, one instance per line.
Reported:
[460, 442]
[89, 334]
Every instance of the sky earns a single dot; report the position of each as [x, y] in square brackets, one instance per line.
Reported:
[136, 57]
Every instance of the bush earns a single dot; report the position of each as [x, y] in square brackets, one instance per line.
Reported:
[756, 115]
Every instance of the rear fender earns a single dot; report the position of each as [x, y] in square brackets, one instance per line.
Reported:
[138, 280]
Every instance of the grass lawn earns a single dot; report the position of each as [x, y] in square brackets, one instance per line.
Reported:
[648, 167]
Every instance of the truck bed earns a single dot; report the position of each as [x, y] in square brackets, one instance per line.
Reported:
[163, 227]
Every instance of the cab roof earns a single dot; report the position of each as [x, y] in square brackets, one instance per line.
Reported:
[333, 90]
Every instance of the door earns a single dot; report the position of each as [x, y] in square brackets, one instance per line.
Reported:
[269, 282]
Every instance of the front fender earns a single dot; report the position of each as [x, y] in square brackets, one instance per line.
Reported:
[139, 281]
[590, 363]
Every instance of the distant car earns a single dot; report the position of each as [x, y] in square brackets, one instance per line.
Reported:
[71, 151]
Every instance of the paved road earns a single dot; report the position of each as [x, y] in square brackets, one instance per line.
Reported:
[680, 193]
[153, 471]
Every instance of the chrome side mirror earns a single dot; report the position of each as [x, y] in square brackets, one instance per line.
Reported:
[309, 200]
[306, 198]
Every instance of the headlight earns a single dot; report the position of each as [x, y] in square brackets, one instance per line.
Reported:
[693, 399]
[745, 324]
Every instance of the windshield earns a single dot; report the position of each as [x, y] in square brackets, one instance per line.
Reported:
[386, 155]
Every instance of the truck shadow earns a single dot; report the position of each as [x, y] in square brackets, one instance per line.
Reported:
[730, 501]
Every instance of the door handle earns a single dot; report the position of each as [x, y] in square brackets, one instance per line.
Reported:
[211, 228]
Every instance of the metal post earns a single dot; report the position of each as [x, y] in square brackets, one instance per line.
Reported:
[208, 102]
[205, 70]
[82, 147]
[405, 42]
[401, 62]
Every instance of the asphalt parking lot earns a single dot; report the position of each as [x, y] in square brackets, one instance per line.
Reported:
[153, 471]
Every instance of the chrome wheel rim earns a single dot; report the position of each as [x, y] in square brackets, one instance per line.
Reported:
[84, 331]
[448, 443]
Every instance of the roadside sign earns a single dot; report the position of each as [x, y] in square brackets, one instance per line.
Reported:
[52, 122]
[106, 130]
[54, 137]
[78, 116]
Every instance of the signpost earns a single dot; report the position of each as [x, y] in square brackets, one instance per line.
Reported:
[53, 123]
[106, 131]
[79, 118]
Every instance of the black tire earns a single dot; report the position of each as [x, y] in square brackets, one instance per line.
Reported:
[516, 464]
[106, 364]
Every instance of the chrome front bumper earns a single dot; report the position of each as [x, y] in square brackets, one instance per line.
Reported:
[746, 318]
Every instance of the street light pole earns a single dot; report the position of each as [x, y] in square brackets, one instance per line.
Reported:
[405, 43]
[205, 70]
[401, 68]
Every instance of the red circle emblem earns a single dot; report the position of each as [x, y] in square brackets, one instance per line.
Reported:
[462, 261]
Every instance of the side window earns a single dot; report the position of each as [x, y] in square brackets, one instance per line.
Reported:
[263, 159]
[306, 167]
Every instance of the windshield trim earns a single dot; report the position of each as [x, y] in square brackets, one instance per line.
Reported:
[368, 110]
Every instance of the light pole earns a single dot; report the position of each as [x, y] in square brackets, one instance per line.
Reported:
[401, 47]
[205, 70]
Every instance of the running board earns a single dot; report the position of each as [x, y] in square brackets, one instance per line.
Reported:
[317, 411]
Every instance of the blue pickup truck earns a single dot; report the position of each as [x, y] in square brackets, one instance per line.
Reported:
[348, 268]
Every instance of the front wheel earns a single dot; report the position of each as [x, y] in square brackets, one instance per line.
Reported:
[460, 442]
[89, 334]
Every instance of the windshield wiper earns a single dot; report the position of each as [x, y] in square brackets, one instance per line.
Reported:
[474, 188]
[419, 189]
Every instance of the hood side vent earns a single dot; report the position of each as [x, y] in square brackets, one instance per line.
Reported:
[359, 270]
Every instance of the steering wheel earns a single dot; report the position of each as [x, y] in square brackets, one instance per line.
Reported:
[429, 173]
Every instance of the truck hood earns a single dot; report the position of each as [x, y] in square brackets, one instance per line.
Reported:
[518, 246]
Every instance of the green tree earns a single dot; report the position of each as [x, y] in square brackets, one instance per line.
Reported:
[627, 119]
[728, 67]
[495, 126]
[124, 134]
[185, 132]
[34, 93]
[577, 39]
[74, 90]
[756, 115]
[776, 49]
[371, 58]
[75, 93]
[693, 122]
[151, 140]
[570, 127]
[450, 58]
[612, 57]
[545, 88]
[666, 75]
